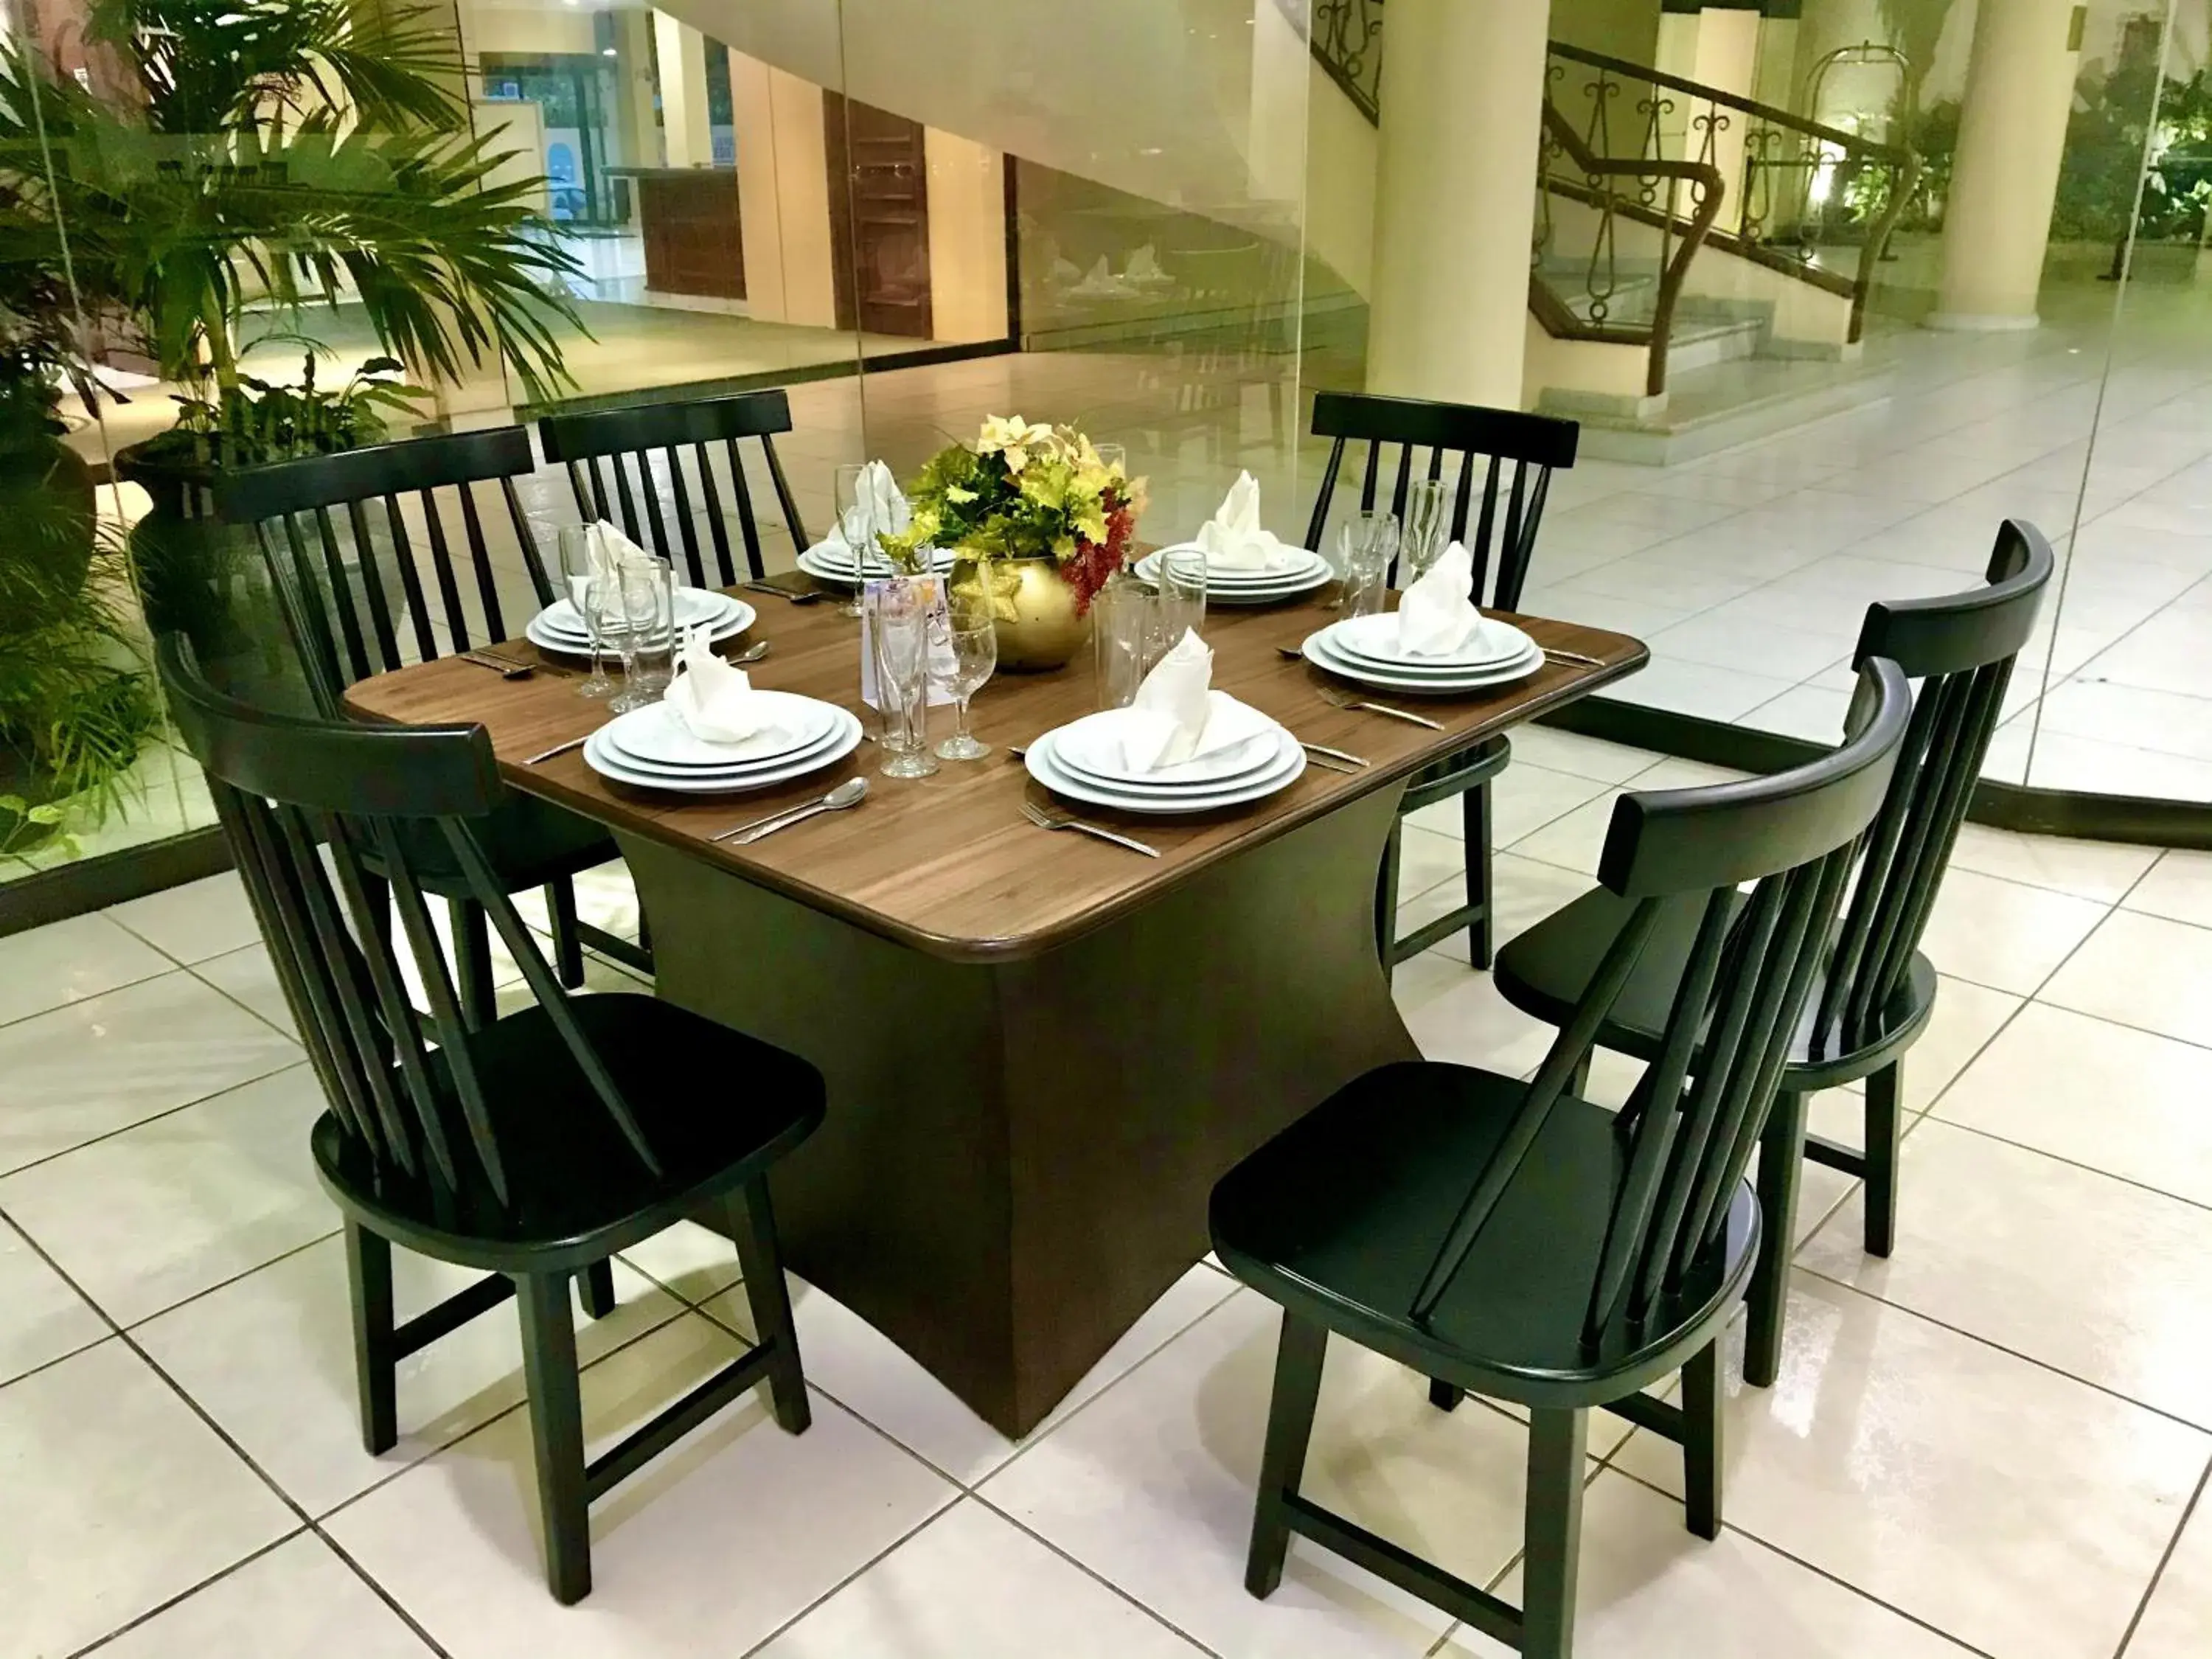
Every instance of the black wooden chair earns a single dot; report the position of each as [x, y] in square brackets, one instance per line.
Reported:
[1511, 1239]
[609, 455]
[532, 1148]
[1503, 537]
[1877, 991]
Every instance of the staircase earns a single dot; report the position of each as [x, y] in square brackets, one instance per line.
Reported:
[1702, 261]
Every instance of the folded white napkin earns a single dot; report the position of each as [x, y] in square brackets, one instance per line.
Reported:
[1143, 266]
[1436, 617]
[611, 549]
[1176, 716]
[1233, 539]
[712, 700]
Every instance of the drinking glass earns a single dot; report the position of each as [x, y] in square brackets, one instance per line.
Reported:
[856, 520]
[639, 597]
[1180, 580]
[1365, 548]
[580, 560]
[962, 659]
[900, 613]
[1125, 623]
[1421, 528]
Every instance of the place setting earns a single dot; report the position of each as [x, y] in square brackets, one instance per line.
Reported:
[620, 596]
[871, 506]
[1243, 562]
[1437, 643]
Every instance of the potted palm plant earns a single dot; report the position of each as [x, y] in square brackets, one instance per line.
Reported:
[275, 162]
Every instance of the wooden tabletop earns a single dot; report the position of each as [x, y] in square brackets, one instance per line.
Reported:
[947, 864]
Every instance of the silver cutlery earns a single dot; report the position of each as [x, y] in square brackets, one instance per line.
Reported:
[1054, 819]
[1294, 652]
[1557, 655]
[752, 653]
[811, 597]
[507, 667]
[850, 792]
[1322, 752]
[1346, 700]
[559, 749]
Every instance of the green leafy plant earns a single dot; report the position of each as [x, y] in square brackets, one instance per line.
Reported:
[258, 421]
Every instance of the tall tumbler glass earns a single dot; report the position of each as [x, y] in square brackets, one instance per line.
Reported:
[1179, 579]
[1124, 624]
[900, 613]
[1365, 546]
[644, 605]
[580, 561]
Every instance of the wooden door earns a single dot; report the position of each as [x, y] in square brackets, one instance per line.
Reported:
[879, 218]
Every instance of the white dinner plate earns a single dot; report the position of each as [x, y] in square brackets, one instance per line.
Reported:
[1316, 652]
[599, 756]
[735, 774]
[1374, 640]
[1088, 748]
[1301, 568]
[695, 607]
[653, 734]
[841, 572]
[1057, 778]
[563, 644]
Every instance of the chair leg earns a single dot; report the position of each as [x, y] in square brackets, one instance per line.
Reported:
[1557, 1441]
[1386, 895]
[1475, 820]
[557, 1432]
[1885, 1132]
[595, 1289]
[752, 1224]
[472, 962]
[1298, 1354]
[368, 1273]
[1445, 1397]
[567, 944]
[1781, 1159]
[1701, 1441]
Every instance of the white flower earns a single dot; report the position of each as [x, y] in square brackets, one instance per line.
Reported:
[1012, 437]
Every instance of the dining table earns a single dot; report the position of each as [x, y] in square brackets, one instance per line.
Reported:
[1041, 1049]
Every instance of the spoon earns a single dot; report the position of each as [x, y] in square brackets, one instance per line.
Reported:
[751, 653]
[850, 793]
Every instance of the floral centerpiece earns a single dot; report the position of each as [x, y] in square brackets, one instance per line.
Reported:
[1038, 521]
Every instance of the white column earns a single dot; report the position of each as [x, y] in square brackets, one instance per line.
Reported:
[2012, 136]
[1462, 103]
[684, 127]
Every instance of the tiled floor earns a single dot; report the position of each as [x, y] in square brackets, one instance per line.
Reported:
[1991, 1444]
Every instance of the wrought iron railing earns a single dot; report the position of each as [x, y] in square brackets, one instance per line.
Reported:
[1639, 169]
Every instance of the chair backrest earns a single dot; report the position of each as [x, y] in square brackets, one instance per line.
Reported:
[343, 620]
[1532, 444]
[303, 802]
[1689, 1131]
[1962, 647]
[610, 457]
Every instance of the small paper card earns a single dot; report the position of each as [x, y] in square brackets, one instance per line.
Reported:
[940, 650]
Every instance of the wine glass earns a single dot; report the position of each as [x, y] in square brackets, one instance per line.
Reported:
[1422, 528]
[637, 605]
[582, 561]
[962, 659]
[856, 522]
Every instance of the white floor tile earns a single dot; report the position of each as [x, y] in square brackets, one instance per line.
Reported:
[159, 1212]
[1967, 1017]
[2178, 1622]
[1556, 750]
[2178, 888]
[269, 1358]
[865, 1370]
[68, 961]
[1692, 688]
[2143, 971]
[119, 1498]
[41, 1318]
[2101, 870]
[710, 1548]
[1151, 1488]
[191, 923]
[2009, 1507]
[249, 976]
[2068, 1266]
[297, 1601]
[2004, 934]
[1650, 1591]
[112, 1060]
[971, 1585]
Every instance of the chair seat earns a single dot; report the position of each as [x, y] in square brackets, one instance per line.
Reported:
[1338, 1218]
[529, 842]
[1454, 775]
[716, 1106]
[1544, 972]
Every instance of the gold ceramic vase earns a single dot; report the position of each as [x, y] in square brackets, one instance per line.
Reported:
[1045, 631]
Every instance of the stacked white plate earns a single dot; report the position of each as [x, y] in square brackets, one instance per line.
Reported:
[833, 561]
[649, 747]
[1365, 649]
[1298, 573]
[1082, 761]
[560, 626]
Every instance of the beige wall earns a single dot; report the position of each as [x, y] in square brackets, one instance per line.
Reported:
[967, 238]
[485, 29]
[783, 194]
[1619, 29]
[687, 138]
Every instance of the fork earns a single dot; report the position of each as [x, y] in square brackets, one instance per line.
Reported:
[1346, 700]
[508, 668]
[814, 596]
[1054, 819]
